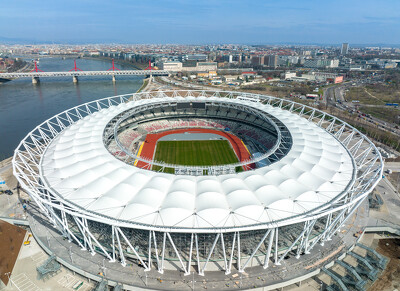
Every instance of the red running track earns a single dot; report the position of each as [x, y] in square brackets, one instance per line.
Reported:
[152, 138]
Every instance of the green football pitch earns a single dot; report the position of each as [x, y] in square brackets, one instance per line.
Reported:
[195, 153]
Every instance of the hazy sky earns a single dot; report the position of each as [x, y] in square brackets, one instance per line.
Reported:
[199, 22]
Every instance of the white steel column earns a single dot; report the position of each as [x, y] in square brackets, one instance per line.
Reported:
[176, 251]
[86, 228]
[163, 253]
[133, 249]
[324, 235]
[69, 231]
[306, 245]
[268, 254]
[149, 250]
[328, 222]
[228, 271]
[65, 224]
[190, 256]
[209, 254]
[121, 252]
[85, 240]
[344, 218]
[156, 251]
[301, 236]
[256, 249]
[239, 253]
[197, 252]
[276, 246]
[223, 252]
[113, 243]
[96, 241]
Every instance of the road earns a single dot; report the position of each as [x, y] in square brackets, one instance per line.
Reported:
[394, 166]
[391, 198]
[334, 96]
[5, 165]
[188, 85]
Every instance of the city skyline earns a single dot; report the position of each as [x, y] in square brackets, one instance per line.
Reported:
[180, 22]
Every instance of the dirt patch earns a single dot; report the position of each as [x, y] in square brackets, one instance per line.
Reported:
[9, 177]
[11, 238]
[319, 262]
[397, 159]
[390, 277]
[394, 178]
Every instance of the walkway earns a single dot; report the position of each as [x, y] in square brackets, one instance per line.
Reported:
[70, 255]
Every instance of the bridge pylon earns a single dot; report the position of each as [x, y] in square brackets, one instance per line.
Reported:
[113, 68]
[36, 80]
[75, 69]
[150, 67]
[36, 69]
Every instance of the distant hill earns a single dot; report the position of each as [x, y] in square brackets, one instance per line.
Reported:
[11, 40]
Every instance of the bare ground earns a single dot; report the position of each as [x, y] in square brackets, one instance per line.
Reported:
[11, 238]
[390, 277]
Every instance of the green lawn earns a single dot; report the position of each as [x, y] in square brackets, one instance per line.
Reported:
[195, 153]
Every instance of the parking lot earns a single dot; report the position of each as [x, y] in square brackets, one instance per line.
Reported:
[25, 277]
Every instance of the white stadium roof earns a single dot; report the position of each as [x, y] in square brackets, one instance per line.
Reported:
[78, 167]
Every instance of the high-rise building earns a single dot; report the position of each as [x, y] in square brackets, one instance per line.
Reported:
[321, 63]
[196, 57]
[257, 60]
[271, 61]
[345, 48]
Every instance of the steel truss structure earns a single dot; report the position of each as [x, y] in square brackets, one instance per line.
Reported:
[153, 246]
[76, 73]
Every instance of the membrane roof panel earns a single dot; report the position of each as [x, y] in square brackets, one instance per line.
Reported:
[78, 167]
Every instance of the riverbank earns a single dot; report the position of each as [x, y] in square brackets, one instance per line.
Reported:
[7, 161]
[28, 66]
[25, 105]
[116, 61]
[146, 82]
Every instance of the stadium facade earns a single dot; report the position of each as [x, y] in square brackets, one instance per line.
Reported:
[309, 171]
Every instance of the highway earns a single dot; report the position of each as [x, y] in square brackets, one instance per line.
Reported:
[391, 197]
[188, 85]
[394, 166]
[334, 96]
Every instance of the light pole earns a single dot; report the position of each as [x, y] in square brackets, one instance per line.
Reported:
[70, 254]
[104, 268]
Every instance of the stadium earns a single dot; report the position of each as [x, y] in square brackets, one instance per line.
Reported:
[197, 181]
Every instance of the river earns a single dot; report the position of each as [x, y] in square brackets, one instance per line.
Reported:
[24, 105]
